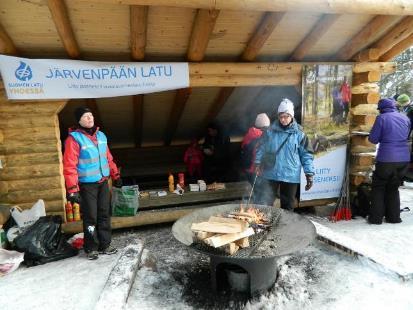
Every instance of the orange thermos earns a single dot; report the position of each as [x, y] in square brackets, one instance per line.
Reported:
[76, 212]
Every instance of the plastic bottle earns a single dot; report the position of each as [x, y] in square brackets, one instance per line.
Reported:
[171, 182]
[69, 212]
[76, 212]
[181, 177]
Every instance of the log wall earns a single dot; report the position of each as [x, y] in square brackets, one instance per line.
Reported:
[30, 154]
[363, 113]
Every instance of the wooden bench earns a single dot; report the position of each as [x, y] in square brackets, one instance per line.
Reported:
[171, 207]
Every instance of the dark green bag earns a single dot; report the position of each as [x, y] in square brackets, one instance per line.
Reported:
[125, 200]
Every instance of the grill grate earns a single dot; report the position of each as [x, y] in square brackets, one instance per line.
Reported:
[262, 244]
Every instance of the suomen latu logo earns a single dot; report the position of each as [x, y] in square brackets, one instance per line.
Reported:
[23, 72]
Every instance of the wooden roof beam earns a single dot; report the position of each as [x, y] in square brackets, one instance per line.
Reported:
[394, 36]
[202, 29]
[201, 32]
[138, 30]
[322, 26]
[6, 43]
[261, 35]
[394, 7]
[265, 28]
[362, 38]
[397, 34]
[397, 49]
[61, 19]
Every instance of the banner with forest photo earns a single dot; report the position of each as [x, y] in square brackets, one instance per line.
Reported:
[325, 118]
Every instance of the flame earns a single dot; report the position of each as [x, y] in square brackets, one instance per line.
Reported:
[256, 215]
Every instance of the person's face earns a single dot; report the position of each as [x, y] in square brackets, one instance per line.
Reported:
[87, 120]
[285, 118]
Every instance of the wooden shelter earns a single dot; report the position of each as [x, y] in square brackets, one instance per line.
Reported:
[244, 56]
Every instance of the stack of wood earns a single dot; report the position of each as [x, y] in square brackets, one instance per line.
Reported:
[230, 232]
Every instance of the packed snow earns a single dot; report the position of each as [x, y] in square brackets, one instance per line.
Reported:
[319, 277]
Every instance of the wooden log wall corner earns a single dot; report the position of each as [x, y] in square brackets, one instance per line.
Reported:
[30, 153]
[363, 111]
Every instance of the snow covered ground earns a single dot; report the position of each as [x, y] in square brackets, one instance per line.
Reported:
[319, 277]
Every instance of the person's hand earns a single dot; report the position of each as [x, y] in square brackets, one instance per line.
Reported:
[258, 169]
[73, 197]
[309, 182]
[117, 183]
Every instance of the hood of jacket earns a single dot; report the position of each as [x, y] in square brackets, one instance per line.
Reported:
[387, 105]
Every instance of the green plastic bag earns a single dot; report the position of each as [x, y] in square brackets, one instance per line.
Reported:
[125, 200]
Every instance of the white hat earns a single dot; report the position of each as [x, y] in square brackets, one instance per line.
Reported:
[286, 106]
[262, 120]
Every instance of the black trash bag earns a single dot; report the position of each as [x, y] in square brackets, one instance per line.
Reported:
[43, 242]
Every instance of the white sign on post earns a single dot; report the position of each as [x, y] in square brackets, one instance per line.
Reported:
[66, 79]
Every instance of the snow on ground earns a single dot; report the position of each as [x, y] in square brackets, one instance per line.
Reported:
[319, 277]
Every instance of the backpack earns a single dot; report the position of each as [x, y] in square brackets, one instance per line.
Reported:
[247, 154]
[362, 202]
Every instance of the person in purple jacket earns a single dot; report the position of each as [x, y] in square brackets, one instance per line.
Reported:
[391, 130]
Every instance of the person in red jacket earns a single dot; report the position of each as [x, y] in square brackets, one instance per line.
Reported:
[345, 91]
[193, 158]
[87, 166]
[250, 143]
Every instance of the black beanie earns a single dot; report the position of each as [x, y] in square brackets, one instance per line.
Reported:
[80, 111]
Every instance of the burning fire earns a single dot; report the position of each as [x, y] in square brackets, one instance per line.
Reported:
[252, 215]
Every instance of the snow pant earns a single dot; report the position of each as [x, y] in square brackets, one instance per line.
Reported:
[268, 190]
[385, 192]
[95, 206]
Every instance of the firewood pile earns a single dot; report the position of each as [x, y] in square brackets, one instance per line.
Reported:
[231, 231]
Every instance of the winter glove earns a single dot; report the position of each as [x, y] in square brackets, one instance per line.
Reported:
[73, 197]
[117, 183]
[309, 182]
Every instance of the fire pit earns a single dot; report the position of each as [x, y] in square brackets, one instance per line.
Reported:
[253, 268]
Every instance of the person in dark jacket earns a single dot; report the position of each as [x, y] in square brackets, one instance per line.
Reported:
[87, 166]
[282, 171]
[391, 130]
[216, 154]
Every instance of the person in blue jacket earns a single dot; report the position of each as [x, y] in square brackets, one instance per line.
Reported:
[285, 148]
[391, 130]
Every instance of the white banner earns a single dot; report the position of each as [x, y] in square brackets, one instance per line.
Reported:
[328, 178]
[58, 79]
